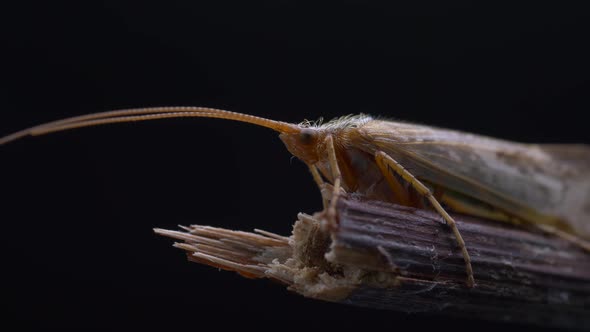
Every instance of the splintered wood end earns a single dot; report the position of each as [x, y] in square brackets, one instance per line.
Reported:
[398, 258]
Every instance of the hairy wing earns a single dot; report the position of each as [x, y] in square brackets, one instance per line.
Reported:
[548, 184]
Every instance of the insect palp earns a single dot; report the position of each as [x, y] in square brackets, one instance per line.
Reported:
[317, 177]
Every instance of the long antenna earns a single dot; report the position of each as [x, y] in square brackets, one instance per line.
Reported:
[144, 114]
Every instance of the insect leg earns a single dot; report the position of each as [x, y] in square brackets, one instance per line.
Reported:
[382, 157]
[319, 181]
[337, 178]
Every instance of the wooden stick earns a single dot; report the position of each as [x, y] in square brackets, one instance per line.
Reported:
[398, 258]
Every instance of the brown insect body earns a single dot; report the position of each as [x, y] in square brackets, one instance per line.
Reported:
[506, 181]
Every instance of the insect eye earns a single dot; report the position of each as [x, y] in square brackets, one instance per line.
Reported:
[306, 136]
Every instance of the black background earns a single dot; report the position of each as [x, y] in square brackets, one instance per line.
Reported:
[79, 206]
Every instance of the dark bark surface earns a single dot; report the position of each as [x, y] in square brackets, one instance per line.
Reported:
[521, 274]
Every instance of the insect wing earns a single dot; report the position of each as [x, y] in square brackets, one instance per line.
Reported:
[548, 184]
